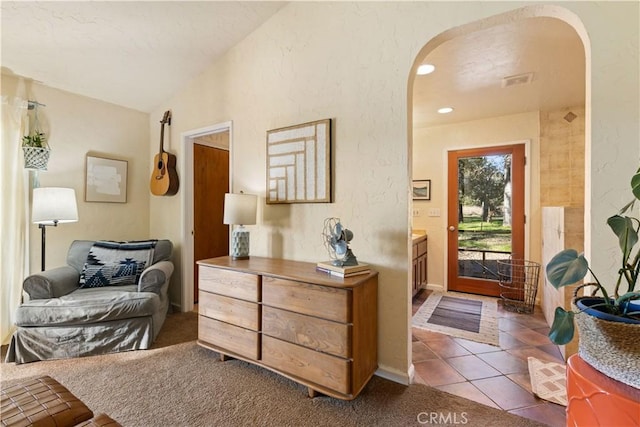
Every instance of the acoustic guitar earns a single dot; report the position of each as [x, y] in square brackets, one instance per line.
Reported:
[164, 178]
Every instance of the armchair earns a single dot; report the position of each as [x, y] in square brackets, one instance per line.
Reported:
[110, 297]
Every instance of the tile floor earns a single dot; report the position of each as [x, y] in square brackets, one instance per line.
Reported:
[494, 376]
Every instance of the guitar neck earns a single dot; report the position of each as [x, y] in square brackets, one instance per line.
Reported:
[165, 119]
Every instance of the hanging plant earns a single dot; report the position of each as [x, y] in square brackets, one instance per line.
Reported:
[35, 148]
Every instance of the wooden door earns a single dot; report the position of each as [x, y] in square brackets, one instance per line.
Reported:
[485, 216]
[210, 183]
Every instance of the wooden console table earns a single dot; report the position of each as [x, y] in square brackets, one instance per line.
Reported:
[311, 327]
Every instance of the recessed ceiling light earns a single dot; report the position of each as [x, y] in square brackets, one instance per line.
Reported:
[445, 110]
[425, 69]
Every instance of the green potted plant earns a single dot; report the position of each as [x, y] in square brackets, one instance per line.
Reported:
[609, 325]
[36, 150]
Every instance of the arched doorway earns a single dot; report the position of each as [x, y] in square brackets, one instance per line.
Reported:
[481, 61]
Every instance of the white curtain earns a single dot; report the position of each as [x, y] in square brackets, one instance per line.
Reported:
[14, 262]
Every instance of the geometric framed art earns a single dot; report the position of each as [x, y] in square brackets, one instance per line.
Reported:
[105, 180]
[299, 163]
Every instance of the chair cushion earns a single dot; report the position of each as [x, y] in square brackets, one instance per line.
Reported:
[90, 305]
[116, 263]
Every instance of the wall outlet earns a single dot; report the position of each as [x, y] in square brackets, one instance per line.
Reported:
[416, 212]
[434, 212]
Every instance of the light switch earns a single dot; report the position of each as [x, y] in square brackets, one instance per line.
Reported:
[416, 212]
[434, 212]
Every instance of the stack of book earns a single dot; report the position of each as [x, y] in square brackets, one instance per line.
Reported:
[344, 271]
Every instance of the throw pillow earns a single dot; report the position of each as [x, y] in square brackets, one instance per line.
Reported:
[116, 263]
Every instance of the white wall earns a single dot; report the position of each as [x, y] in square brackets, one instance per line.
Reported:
[430, 149]
[351, 62]
[76, 126]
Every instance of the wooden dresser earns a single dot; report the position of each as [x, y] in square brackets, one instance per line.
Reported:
[419, 275]
[311, 327]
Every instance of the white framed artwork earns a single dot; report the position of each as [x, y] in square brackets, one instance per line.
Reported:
[105, 180]
[299, 163]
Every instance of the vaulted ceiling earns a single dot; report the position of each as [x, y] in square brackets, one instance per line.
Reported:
[137, 54]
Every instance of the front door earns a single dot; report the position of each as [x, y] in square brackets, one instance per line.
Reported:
[210, 183]
[485, 215]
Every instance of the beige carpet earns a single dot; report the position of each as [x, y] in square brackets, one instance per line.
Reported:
[488, 333]
[548, 380]
[181, 384]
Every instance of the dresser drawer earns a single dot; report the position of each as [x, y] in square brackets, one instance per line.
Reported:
[322, 369]
[319, 301]
[230, 310]
[229, 337]
[233, 284]
[317, 334]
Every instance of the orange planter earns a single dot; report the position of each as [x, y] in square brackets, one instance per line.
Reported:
[597, 400]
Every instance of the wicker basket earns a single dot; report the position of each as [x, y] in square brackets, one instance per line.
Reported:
[612, 348]
[36, 157]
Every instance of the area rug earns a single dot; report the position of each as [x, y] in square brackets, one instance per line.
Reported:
[548, 380]
[471, 317]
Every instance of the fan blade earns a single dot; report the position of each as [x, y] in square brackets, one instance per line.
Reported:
[341, 248]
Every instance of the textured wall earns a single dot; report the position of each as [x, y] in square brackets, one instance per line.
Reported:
[351, 61]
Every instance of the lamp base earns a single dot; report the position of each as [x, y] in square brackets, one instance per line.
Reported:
[240, 244]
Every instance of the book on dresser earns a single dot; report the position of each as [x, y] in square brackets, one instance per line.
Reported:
[340, 274]
[343, 271]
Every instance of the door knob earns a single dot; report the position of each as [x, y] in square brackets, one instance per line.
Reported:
[452, 228]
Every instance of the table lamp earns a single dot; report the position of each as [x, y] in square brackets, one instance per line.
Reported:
[51, 206]
[240, 209]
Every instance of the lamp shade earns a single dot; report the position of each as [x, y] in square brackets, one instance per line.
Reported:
[240, 209]
[53, 205]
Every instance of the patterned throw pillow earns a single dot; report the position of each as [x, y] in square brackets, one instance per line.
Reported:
[116, 263]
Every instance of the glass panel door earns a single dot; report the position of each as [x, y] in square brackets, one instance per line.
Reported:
[486, 215]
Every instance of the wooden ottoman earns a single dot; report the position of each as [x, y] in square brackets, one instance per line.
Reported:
[41, 402]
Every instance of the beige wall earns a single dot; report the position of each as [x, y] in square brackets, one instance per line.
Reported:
[351, 62]
[77, 126]
[430, 149]
[562, 157]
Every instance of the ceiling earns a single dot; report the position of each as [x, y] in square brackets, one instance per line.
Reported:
[470, 69]
[138, 54]
[135, 54]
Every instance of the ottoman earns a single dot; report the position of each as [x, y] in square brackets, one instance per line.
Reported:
[42, 402]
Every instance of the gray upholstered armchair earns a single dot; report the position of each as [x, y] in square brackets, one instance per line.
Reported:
[111, 297]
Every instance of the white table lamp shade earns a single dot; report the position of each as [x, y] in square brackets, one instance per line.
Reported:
[240, 209]
[54, 205]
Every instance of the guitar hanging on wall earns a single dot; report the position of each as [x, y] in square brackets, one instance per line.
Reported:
[164, 178]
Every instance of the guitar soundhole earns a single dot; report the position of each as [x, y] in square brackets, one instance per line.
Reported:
[160, 166]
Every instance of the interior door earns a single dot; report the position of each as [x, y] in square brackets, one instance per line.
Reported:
[210, 183]
[485, 215]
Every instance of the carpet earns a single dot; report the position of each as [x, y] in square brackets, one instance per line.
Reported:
[185, 385]
[471, 317]
[548, 380]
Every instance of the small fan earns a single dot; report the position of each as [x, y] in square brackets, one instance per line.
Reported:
[336, 240]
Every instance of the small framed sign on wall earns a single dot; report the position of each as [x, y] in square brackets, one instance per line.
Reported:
[105, 180]
[421, 189]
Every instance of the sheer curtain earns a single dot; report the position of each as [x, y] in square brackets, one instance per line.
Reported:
[14, 221]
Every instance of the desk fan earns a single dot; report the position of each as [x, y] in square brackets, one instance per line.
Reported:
[336, 240]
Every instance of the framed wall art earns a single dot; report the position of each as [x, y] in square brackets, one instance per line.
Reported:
[421, 189]
[105, 180]
[299, 163]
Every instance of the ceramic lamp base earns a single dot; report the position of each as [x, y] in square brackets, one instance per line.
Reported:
[240, 243]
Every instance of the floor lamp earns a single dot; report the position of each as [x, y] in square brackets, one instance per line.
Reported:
[53, 206]
[240, 209]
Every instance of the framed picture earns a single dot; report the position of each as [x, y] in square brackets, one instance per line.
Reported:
[299, 163]
[421, 189]
[105, 180]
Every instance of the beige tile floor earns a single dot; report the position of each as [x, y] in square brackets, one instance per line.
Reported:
[493, 376]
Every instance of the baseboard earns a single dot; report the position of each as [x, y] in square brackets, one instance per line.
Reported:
[435, 287]
[395, 375]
